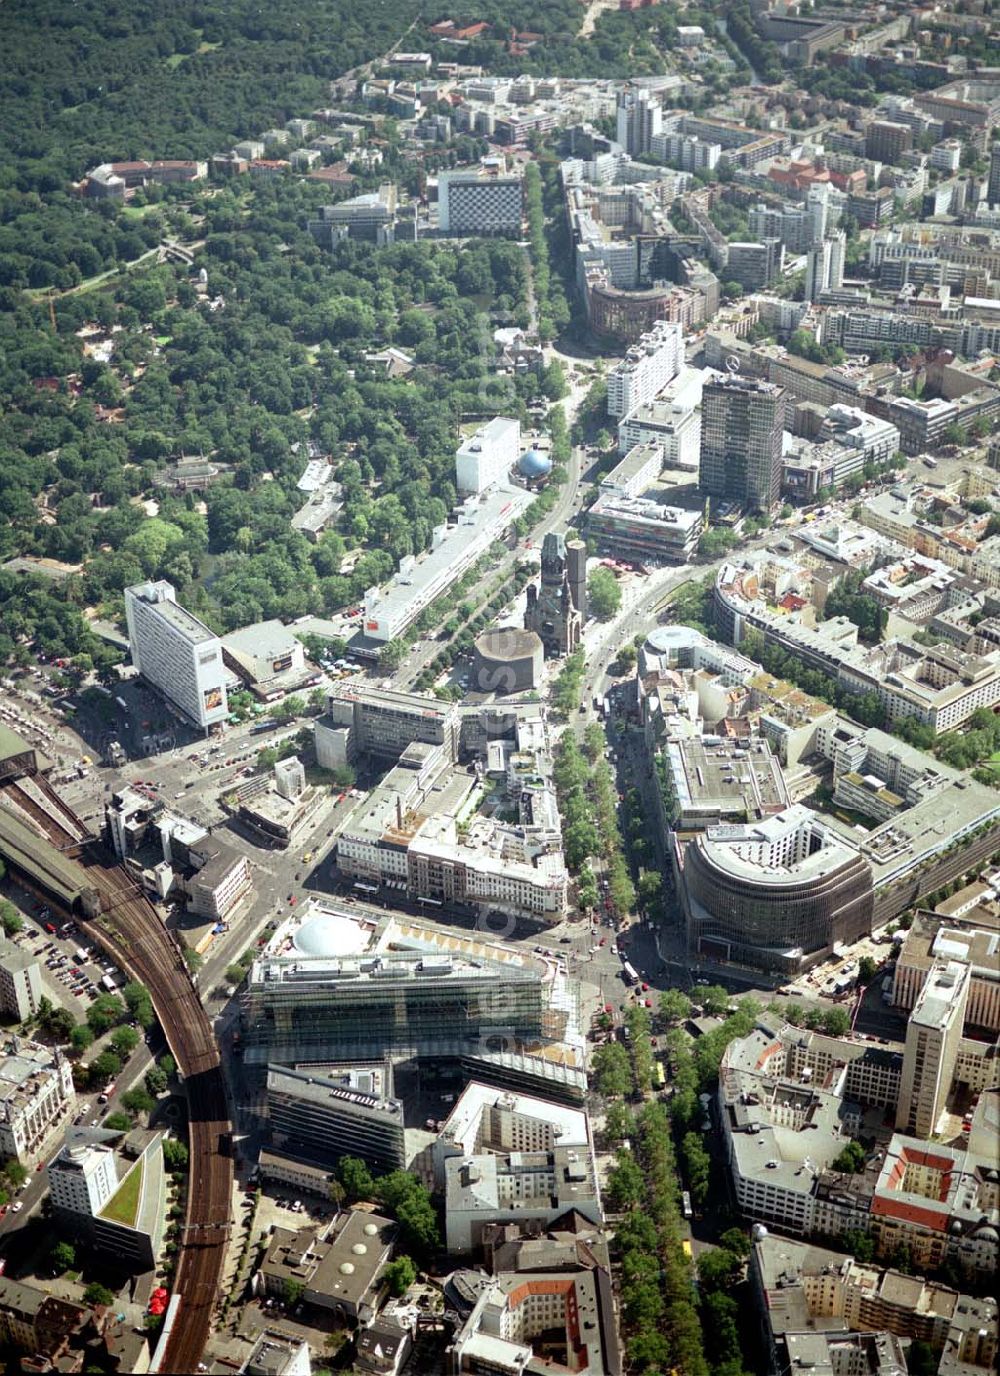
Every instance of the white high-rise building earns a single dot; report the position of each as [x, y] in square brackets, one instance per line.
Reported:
[825, 266]
[20, 985]
[176, 653]
[486, 457]
[82, 1178]
[640, 119]
[933, 1035]
[646, 369]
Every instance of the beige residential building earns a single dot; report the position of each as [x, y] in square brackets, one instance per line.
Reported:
[932, 938]
[933, 1036]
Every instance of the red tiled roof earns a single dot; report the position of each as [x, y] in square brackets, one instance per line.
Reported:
[887, 1207]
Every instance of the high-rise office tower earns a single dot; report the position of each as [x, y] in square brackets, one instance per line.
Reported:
[933, 1035]
[825, 266]
[176, 653]
[741, 426]
[993, 186]
[480, 202]
[640, 119]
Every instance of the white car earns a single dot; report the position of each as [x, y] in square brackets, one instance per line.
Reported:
[17, 1206]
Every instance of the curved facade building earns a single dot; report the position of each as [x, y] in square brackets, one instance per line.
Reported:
[775, 895]
[625, 315]
[507, 661]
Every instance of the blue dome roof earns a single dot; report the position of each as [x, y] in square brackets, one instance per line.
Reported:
[534, 465]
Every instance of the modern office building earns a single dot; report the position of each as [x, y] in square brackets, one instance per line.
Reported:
[776, 895]
[357, 1007]
[365, 721]
[36, 1091]
[221, 880]
[741, 436]
[114, 1201]
[176, 653]
[932, 938]
[649, 364]
[668, 423]
[850, 426]
[715, 781]
[83, 1177]
[754, 264]
[20, 982]
[339, 989]
[487, 456]
[993, 185]
[639, 119]
[370, 217]
[326, 1115]
[644, 529]
[480, 202]
[933, 1037]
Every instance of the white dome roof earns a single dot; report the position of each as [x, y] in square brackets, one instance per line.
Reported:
[359, 1249]
[346, 1268]
[371, 1229]
[319, 936]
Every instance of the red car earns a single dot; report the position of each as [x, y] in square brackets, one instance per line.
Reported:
[50, 929]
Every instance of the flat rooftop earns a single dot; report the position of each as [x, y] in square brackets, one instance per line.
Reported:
[314, 1087]
[180, 619]
[480, 520]
[262, 640]
[726, 775]
[570, 1125]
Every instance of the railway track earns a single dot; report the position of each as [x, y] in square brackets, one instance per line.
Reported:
[133, 935]
[130, 931]
[57, 823]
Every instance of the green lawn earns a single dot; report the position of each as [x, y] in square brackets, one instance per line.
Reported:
[123, 1206]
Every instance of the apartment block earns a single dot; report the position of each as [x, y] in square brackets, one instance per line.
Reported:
[516, 1187]
[686, 153]
[20, 982]
[36, 1091]
[942, 1203]
[649, 364]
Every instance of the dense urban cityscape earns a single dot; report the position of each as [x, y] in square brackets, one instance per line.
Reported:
[500, 689]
